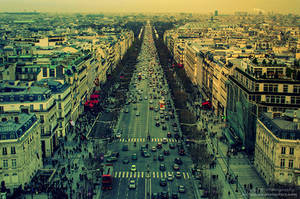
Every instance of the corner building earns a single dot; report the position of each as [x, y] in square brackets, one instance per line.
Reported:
[20, 145]
[277, 148]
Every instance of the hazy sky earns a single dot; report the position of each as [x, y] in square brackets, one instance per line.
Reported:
[225, 6]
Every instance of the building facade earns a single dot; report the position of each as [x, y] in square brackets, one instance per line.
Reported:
[277, 148]
[20, 145]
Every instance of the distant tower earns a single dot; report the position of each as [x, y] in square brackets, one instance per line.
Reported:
[216, 13]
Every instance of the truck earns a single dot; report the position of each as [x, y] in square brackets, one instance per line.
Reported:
[107, 177]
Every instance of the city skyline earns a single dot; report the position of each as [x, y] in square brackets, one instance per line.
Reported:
[200, 6]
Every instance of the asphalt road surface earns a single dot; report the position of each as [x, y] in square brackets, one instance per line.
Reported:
[137, 123]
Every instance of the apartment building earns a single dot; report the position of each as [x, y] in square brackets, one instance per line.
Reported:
[267, 85]
[20, 145]
[277, 148]
[62, 94]
[258, 86]
[22, 96]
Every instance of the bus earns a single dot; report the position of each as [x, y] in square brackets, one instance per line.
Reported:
[107, 177]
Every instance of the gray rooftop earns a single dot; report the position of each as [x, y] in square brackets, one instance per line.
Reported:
[14, 129]
[283, 126]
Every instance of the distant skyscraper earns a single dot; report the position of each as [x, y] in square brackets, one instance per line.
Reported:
[216, 13]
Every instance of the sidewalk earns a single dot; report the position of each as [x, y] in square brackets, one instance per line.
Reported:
[72, 177]
[239, 165]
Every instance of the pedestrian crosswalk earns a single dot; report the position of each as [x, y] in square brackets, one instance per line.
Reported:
[153, 174]
[145, 140]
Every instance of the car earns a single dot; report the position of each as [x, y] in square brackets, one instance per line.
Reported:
[162, 167]
[170, 177]
[178, 175]
[135, 107]
[150, 102]
[181, 152]
[118, 135]
[172, 116]
[164, 127]
[167, 118]
[150, 107]
[155, 196]
[133, 168]
[175, 196]
[115, 154]
[112, 159]
[169, 134]
[172, 146]
[134, 156]
[166, 152]
[175, 129]
[164, 140]
[161, 157]
[156, 109]
[164, 195]
[146, 98]
[162, 121]
[174, 124]
[156, 118]
[176, 167]
[159, 145]
[137, 113]
[125, 161]
[125, 147]
[157, 124]
[162, 116]
[181, 188]
[153, 149]
[132, 184]
[163, 182]
[178, 161]
[146, 154]
[126, 110]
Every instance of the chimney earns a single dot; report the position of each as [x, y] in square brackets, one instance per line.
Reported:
[295, 119]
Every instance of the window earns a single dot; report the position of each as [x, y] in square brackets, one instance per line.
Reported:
[41, 107]
[283, 150]
[52, 73]
[14, 163]
[265, 87]
[5, 164]
[282, 163]
[59, 105]
[291, 151]
[285, 88]
[42, 130]
[45, 72]
[4, 151]
[296, 89]
[42, 119]
[13, 150]
[256, 87]
[291, 164]
[31, 107]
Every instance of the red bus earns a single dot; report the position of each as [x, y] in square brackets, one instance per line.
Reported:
[107, 177]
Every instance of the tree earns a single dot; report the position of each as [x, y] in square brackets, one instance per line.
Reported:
[187, 117]
[180, 99]
[255, 61]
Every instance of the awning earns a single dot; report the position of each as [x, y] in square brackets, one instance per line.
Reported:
[95, 96]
